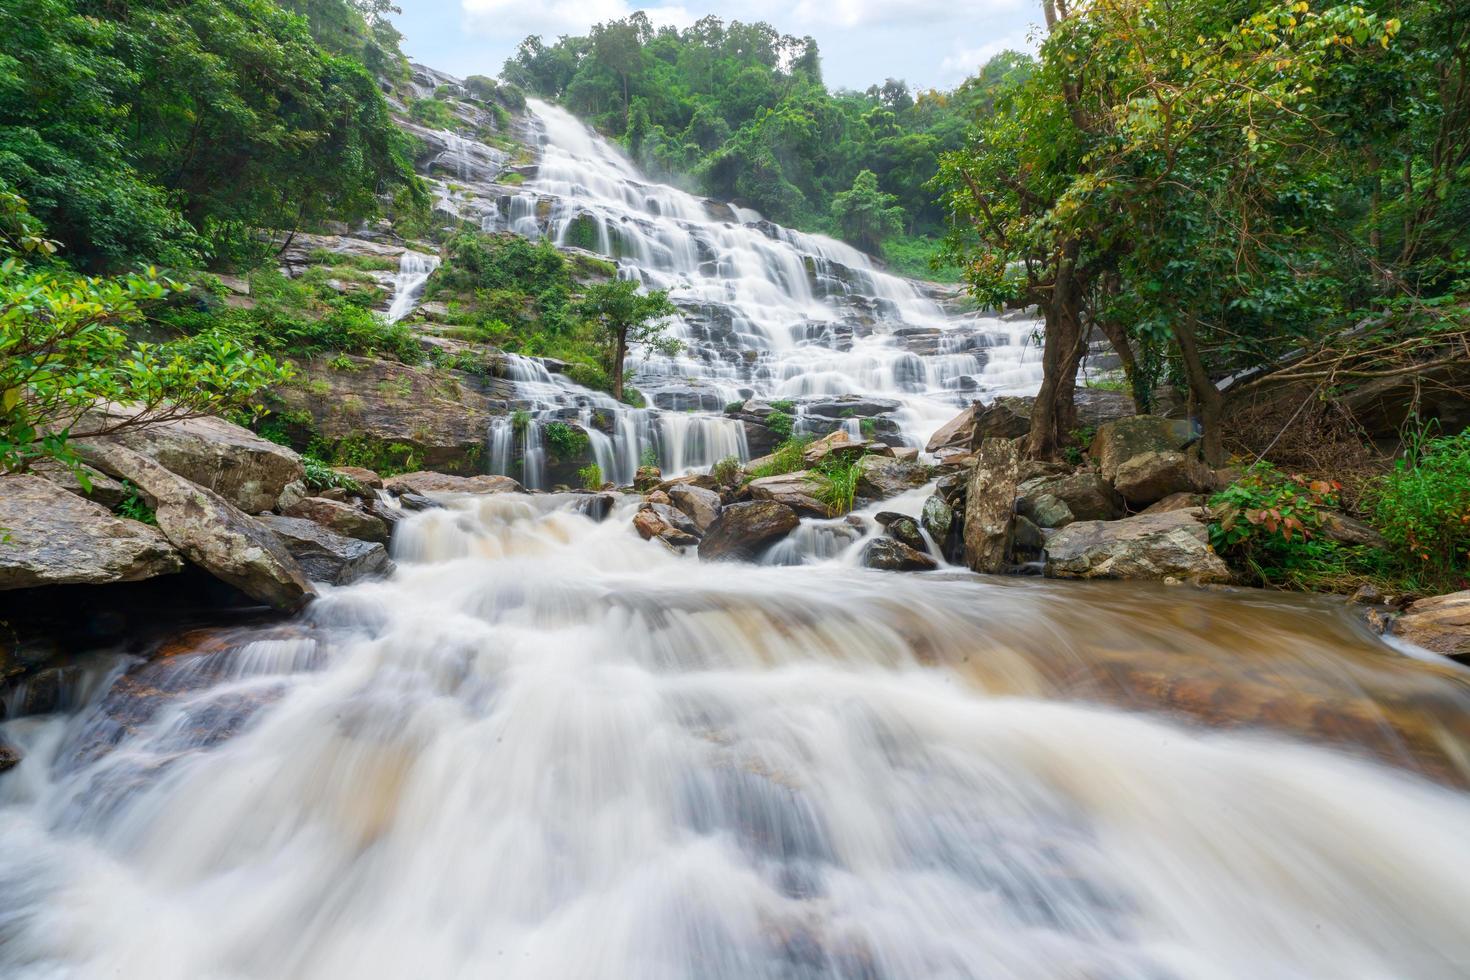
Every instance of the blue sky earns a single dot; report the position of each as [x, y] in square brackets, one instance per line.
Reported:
[931, 43]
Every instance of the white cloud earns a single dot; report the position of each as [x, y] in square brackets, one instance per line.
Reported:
[502, 18]
[964, 62]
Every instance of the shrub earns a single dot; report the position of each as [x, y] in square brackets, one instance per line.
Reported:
[734, 407]
[726, 472]
[837, 485]
[1423, 509]
[591, 476]
[1266, 524]
[433, 113]
[589, 376]
[321, 476]
[565, 441]
[780, 423]
[134, 507]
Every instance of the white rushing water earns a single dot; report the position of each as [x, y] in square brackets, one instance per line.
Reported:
[767, 313]
[414, 269]
[547, 749]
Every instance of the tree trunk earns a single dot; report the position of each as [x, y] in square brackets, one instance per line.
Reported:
[620, 354]
[1054, 414]
[1117, 336]
[1211, 401]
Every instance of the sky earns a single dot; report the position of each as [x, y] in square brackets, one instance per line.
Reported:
[928, 43]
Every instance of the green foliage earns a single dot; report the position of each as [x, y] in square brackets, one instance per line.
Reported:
[726, 472]
[171, 131]
[380, 456]
[590, 476]
[65, 350]
[520, 419]
[1267, 525]
[1423, 509]
[837, 483]
[733, 407]
[134, 507]
[780, 423]
[788, 458]
[321, 476]
[624, 318]
[566, 442]
[433, 113]
[648, 458]
[865, 216]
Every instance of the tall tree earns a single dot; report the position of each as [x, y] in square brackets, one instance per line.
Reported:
[627, 318]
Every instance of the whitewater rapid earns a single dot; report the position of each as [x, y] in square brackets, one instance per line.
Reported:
[545, 748]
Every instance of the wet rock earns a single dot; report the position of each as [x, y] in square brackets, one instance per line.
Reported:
[1441, 624]
[102, 489]
[700, 504]
[1008, 417]
[58, 538]
[1151, 476]
[796, 490]
[361, 474]
[952, 486]
[839, 446]
[598, 506]
[742, 530]
[663, 522]
[1149, 546]
[208, 530]
[293, 494]
[1117, 442]
[10, 755]
[240, 466]
[1176, 501]
[1045, 510]
[1028, 542]
[937, 518]
[990, 505]
[658, 497]
[891, 555]
[426, 481]
[1349, 530]
[704, 480]
[414, 502]
[326, 556]
[882, 477]
[905, 530]
[341, 518]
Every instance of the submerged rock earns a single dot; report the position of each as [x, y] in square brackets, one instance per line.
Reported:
[937, 518]
[990, 505]
[905, 530]
[1150, 546]
[326, 556]
[1440, 623]
[892, 555]
[53, 537]
[743, 529]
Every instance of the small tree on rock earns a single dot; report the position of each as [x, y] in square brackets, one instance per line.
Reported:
[624, 318]
[865, 216]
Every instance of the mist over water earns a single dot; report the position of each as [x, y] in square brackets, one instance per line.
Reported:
[546, 749]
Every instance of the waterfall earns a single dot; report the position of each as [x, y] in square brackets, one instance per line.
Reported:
[414, 269]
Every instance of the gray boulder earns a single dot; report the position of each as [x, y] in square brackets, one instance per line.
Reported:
[742, 530]
[700, 504]
[1056, 500]
[882, 477]
[957, 433]
[1149, 546]
[326, 556]
[796, 490]
[240, 466]
[341, 518]
[1119, 441]
[1176, 501]
[49, 536]
[102, 489]
[890, 555]
[427, 481]
[990, 500]
[937, 518]
[1151, 476]
[211, 533]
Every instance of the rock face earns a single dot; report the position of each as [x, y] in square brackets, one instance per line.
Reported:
[1441, 624]
[891, 555]
[702, 505]
[340, 518]
[1117, 442]
[324, 555]
[248, 471]
[990, 505]
[1149, 546]
[743, 529]
[211, 533]
[884, 476]
[1152, 476]
[427, 481]
[796, 490]
[58, 538]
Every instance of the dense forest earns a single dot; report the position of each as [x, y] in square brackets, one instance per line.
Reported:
[740, 112]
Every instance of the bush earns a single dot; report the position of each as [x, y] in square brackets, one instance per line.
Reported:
[780, 423]
[837, 485]
[1265, 524]
[591, 476]
[788, 458]
[433, 113]
[565, 441]
[726, 472]
[1423, 508]
[589, 376]
[321, 476]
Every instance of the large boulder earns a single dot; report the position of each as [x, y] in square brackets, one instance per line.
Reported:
[891, 555]
[211, 532]
[99, 488]
[1009, 417]
[341, 518]
[1149, 546]
[240, 466]
[937, 518]
[49, 536]
[881, 477]
[1056, 500]
[990, 505]
[427, 481]
[1152, 476]
[958, 432]
[796, 490]
[700, 504]
[742, 530]
[1440, 623]
[652, 522]
[1119, 441]
[324, 555]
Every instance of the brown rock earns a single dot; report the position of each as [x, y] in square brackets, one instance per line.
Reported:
[1176, 501]
[342, 518]
[1440, 623]
[1119, 441]
[883, 477]
[796, 490]
[426, 481]
[361, 474]
[701, 504]
[1151, 476]
[1349, 530]
[742, 530]
[1150, 546]
[957, 433]
[990, 505]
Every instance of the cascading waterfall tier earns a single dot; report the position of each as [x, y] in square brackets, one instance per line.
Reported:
[766, 313]
[544, 748]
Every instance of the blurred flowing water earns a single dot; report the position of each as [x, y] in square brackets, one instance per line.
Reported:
[547, 749]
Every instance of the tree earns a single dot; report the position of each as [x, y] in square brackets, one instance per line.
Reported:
[65, 352]
[626, 318]
[866, 216]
